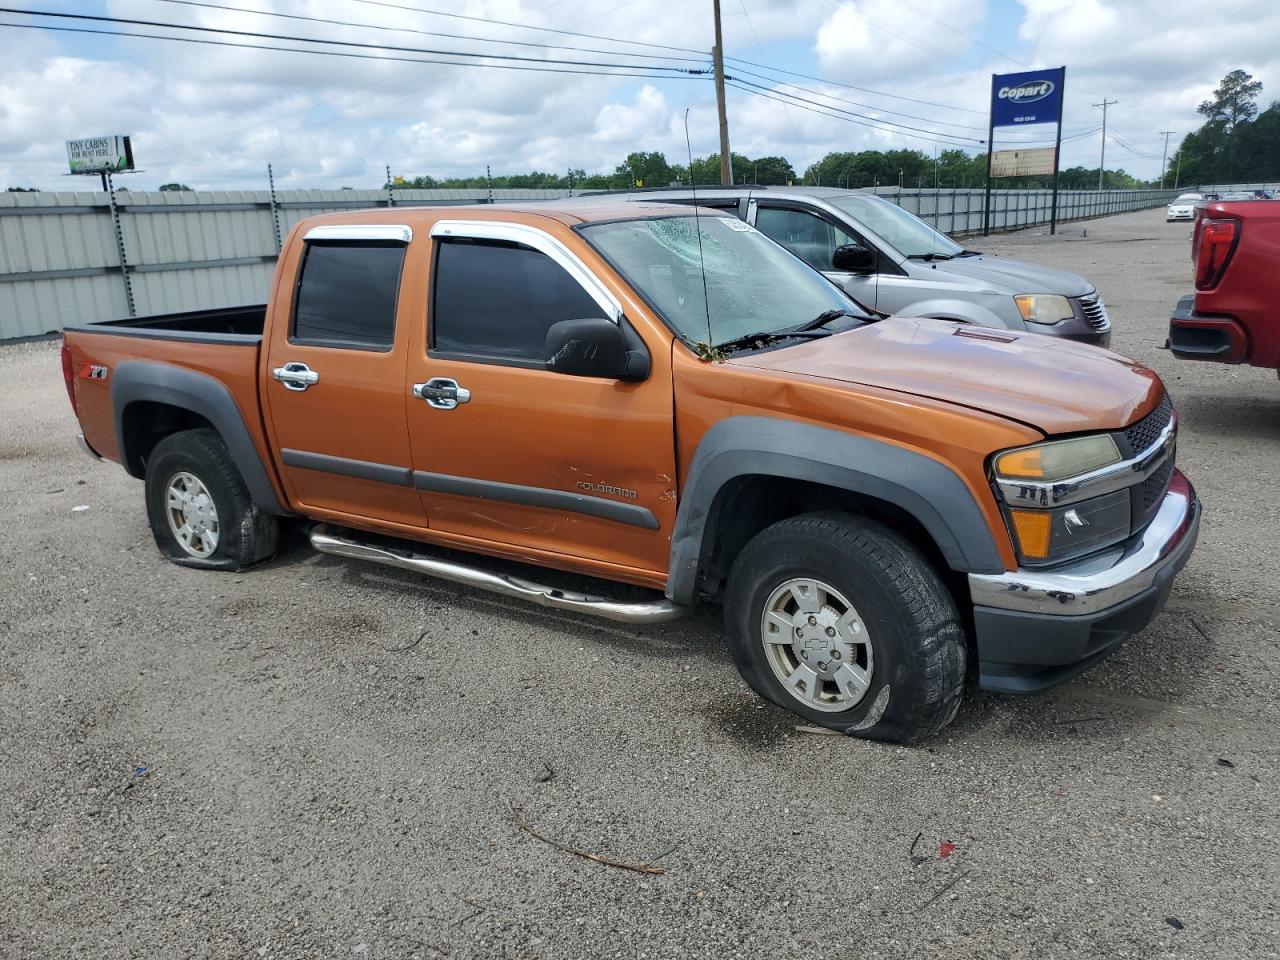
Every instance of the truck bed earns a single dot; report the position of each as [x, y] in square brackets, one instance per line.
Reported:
[226, 324]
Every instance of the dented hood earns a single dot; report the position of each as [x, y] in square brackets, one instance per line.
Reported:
[1057, 386]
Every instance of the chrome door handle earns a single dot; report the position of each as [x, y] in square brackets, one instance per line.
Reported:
[442, 393]
[296, 375]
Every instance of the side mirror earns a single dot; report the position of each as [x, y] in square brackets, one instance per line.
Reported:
[853, 258]
[594, 347]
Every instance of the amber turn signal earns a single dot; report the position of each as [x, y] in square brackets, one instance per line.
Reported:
[1032, 527]
[1026, 464]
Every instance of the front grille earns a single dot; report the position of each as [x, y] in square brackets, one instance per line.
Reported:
[1154, 486]
[1147, 430]
[1148, 495]
[1095, 312]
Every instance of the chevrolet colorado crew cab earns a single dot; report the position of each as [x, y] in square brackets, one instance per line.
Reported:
[662, 396]
[1232, 315]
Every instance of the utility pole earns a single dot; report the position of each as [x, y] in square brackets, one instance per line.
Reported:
[1102, 160]
[1164, 156]
[717, 58]
[1177, 172]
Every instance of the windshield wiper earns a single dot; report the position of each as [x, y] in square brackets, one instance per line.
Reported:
[760, 339]
[930, 256]
[822, 319]
[969, 253]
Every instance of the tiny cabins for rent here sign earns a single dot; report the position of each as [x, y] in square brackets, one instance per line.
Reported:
[100, 154]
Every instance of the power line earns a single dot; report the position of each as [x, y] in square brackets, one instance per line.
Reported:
[347, 55]
[822, 111]
[968, 36]
[507, 23]
[876, 120]
[850, 86]
[1124, 146]
[856, 103]
[336, 43]
[425, 33]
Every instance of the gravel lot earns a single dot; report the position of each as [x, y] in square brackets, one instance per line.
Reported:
[271, 765]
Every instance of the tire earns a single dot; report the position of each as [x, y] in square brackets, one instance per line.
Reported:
[224, 529]
[903, 632]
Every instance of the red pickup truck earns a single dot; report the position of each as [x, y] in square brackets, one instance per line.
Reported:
[1232, 317]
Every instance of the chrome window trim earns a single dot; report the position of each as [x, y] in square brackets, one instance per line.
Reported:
[538, 240]
[366, 232]
[1116, 476]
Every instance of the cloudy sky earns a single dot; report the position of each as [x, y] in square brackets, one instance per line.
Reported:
[213, 116]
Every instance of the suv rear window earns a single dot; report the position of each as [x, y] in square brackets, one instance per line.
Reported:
[347, 295]
[495, 299]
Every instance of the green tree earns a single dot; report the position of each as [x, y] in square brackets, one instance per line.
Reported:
[651, 169]
[1234, 102]
[175, 187]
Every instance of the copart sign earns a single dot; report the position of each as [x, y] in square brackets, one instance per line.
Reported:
[1022, 98]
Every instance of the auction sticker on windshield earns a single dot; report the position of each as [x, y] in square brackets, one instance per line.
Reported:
[733, 223]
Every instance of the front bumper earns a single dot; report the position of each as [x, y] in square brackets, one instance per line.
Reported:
[1172, 215]
[1194, 336]
[1036, 629]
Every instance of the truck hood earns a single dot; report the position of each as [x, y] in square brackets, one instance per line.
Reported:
[1012, 277]
[1054, 385]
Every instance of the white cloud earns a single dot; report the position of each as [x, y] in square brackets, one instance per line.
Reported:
[214, 116]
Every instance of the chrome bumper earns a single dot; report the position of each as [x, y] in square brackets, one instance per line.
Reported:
[1099, 583]
[83, 444]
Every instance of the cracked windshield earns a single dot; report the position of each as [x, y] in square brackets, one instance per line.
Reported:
[753, 286]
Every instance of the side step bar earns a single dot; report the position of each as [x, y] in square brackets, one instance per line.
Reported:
[324, 539]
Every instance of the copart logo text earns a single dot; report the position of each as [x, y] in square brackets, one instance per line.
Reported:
[1026, 92]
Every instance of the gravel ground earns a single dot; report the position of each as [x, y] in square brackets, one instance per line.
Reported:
[273, 764]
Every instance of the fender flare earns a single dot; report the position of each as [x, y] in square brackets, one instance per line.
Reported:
[927, 489]
[140, 380]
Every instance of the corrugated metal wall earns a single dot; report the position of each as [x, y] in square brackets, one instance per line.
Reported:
[60, 262]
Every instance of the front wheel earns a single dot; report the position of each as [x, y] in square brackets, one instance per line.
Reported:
[841, 620]
[199, 508]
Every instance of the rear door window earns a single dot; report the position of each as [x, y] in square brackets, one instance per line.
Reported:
[494, 300]
[346, 295]
[809, 237]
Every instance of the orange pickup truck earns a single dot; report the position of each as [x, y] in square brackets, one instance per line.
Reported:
[663, 397]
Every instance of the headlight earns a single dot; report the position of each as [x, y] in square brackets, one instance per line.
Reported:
[1043, 307]
[1052, 536]
[1058, 459]
[1045, 533]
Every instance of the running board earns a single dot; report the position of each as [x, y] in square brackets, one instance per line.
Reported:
[324, 539]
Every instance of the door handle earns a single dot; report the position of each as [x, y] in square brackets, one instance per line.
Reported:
[296, 375]
[442, 393]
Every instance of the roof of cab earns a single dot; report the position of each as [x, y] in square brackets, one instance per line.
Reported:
[569, 211]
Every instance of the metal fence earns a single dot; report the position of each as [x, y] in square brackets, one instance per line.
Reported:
[89, 257]
[960, 212]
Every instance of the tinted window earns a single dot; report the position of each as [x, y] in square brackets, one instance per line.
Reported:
[496, 299]
[347, 294]
[810, 238]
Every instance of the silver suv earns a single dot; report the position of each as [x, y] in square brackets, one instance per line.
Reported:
[892, 260]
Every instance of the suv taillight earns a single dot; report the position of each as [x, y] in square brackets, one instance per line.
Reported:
[1212, 246]
[69, 376]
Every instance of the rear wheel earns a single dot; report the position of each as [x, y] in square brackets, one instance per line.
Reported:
[843, 621]
[199, 508]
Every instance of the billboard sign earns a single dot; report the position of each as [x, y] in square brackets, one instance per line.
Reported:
[1023, 98]
[1038, 162]
[100, 155]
